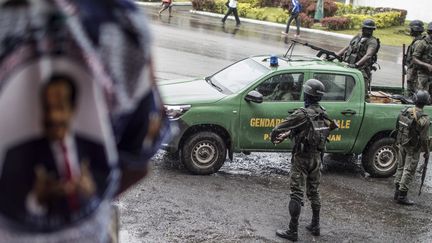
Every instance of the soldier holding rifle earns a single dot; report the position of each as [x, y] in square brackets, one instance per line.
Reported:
[362, 51]
[416, 30]
[412, 138]
[422, 57]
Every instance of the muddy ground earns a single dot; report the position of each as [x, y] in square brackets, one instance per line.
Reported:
[248, 200]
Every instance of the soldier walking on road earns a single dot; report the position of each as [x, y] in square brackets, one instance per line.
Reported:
[422, 56]
[412, 138]
[416, 31]
[362, 52]
[308, 127]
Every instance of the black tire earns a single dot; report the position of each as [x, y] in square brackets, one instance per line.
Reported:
[380, 159]
[203, 153]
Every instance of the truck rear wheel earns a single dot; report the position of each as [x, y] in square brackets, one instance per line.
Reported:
[380, 159]
[204, 153]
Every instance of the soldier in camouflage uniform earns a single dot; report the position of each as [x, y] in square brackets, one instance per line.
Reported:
[413, 137]
[416, 31]
[306, 158]
[362, 52]
[422, 57]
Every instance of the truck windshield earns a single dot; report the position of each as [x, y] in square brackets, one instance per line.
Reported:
[239, 75]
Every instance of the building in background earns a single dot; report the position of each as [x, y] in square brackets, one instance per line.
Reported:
[417, 9]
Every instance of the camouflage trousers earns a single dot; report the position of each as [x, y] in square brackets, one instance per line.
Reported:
[407, 165]
[305, 172]
[411, 81]
[424, 81]
[367, 76]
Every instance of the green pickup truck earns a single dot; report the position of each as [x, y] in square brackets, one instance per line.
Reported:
[235, 109]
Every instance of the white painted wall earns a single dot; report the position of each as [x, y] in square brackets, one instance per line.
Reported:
[417, 9]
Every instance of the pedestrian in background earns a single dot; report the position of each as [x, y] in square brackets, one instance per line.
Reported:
[412, 138]
[422, 57]
[166, 4]
[232, 8]
[295, 12]
[308, 127]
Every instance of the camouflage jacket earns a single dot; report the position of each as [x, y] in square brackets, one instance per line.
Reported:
[423, 50]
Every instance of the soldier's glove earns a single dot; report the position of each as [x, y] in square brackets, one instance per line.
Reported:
[274, 137]
[352, 65]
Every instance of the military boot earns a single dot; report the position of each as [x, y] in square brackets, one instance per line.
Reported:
[292, 234]
[314, 226]
[403, 198]
[396, 193]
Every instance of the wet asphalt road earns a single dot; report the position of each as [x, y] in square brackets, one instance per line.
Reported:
[248, 199]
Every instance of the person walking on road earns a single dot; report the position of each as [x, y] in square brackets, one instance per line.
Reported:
[422, 57]
[232, 8]
[295, 12]
[166, 4]
[416, 31]
[412, 138]
[362, 52]
[308, 127]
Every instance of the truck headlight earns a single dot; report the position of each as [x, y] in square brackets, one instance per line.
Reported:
[175, 111]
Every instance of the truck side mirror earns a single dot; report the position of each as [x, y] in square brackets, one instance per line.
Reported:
[254, 96]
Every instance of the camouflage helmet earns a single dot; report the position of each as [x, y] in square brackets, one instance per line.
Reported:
[421, 97]
[369, 24]
[314, 87]
[416, 25]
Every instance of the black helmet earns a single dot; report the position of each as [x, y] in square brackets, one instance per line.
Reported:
[416, 25]
[314, 87]
[429, 28]
[369, 24]
[421, 97]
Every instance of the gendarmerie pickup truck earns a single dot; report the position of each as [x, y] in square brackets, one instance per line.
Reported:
[235, 109]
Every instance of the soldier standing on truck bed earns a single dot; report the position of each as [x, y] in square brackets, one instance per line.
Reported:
[422, 56]
[412, 138]
[362, 52]
[416, 31]
[308, 127]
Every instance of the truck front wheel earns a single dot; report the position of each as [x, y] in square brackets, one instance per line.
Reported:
[380, 159]
[203, 153]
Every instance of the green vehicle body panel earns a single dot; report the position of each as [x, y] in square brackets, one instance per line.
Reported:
[249, 124]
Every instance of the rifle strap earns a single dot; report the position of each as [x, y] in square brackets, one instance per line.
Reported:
[415, 114]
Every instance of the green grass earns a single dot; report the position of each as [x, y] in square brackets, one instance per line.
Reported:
[393, 36]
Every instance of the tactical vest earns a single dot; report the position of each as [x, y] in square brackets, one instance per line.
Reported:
[407, 127]
[427, 54]
[358, 48]
[410, 51]
[313, 136]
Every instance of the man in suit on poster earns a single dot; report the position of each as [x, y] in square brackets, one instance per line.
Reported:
[56, 176]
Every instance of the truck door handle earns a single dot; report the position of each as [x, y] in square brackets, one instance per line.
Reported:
[348, 111]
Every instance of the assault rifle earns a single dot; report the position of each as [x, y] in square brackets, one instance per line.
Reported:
[424, 171]
[329, 55]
